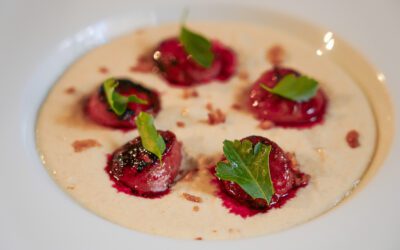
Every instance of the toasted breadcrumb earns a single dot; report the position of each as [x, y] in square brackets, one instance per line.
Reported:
[276, 55]
[216, 117]
[180, 124]
[243, 75]
[293, 160]
[209, 106]
[82, 145]
[70, 90]
[189, 93]
[103, 70]
[192, 198]
[236, 106]
[266, 125]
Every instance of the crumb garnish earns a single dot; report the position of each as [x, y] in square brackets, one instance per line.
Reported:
[103, 70]
[189, 93]
[198, 238]
[243, 75]
[301, 179]
[70, 90]
[276, 55]
[236, 106]
[292, 157]
[209, 106]
[266, 125]
[144, 64]
[82, 145]
[70, 187]
[180, 124]
[192, 198]
[352, 139]
[196, 208]
[216, 116]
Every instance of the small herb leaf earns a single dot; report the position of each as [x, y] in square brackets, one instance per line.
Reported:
[197, 46]
[117, 102]
[152, 141]
[294, 88]
[248, 167]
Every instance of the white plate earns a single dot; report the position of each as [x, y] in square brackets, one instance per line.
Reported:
[39, 40]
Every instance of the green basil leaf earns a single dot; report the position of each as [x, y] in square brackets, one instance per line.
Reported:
[152, 141]
[197, 46]
[294, 88]
[118, 103]
[248, 167]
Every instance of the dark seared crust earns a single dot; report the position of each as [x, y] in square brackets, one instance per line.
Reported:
[133, 154]
[124, 86]
[140, 170]
[98, 110]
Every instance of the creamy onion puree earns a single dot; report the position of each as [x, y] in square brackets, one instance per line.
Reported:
[321, 151]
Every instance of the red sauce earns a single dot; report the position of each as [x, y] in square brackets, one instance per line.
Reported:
[286, 178]
[136, 171]
[238, 208]
[127, 190]
[283, 112]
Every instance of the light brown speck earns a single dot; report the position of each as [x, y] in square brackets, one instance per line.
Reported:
[180, 124]
[189, 93]
[70, 90]
[266, 125]
[196, 208]
[209, 106]
[192, 198]
[293, 160]
[103, 70]
[82, 145]
[236, 106]
[276, 55]
[216, 117]
[243, 75]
